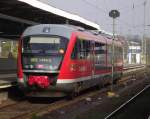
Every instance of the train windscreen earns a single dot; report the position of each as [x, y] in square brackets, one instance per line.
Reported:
[43, 53]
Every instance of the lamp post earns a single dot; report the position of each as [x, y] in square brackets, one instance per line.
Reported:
[144, 39]
[146, 47]
[114, 14]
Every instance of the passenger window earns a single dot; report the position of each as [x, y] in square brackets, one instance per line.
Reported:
[109, 54]
[100, 53]
[81, 49]
[118, 54]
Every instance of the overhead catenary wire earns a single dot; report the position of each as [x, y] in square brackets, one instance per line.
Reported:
[95, 6]
[127, 10]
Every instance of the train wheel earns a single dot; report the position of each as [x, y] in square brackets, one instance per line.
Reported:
[100, 85]
[115, 81]
[76, 91]
[72, 95]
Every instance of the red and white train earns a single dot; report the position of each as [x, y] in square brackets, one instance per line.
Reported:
[59, 59]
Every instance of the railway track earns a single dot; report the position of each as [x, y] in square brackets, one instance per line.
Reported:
[23, 109]
[26, 109]
[124, 105]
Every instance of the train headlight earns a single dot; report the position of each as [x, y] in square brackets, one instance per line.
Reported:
[61, 51]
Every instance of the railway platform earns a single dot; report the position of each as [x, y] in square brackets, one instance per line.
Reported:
[7, 80]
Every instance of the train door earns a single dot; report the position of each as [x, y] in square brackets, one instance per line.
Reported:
[86, 48]
[92, 59]
[100, 58]
[83, 57]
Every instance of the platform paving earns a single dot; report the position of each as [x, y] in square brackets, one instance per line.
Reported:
[6, 80]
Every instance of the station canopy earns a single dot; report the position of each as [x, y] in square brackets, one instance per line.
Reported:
[16, 15]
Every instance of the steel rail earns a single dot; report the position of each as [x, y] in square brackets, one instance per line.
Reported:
[127, 102]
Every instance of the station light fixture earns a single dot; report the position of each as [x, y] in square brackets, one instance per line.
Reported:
[3, 42]
[54, 10]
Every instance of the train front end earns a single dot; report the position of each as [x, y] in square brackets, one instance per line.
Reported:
[41, 53]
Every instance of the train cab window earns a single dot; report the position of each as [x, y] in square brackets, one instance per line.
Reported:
[45, 51]
[47, 45]
[81, 49]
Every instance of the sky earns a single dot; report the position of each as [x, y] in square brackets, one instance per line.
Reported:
[131, 20]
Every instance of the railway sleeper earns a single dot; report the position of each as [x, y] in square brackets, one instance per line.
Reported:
[125, 80]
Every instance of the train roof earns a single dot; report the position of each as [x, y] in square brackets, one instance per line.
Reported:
[51, 29]
[65, 30]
